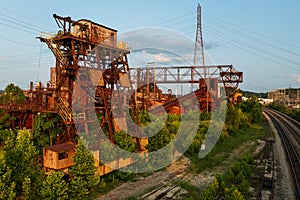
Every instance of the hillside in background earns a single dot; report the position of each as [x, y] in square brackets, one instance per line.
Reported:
[252, 94]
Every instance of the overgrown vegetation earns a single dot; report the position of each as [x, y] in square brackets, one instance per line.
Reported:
[253, 94]
[125, 141]
[292, 112]
[45, 129]
[234, 184]
[222, 149]
[21, 175]
[12, 94]
[21, 171]
[242, 124]
[165, 135]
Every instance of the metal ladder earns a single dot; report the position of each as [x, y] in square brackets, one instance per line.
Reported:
[48, 37]
[64, 110]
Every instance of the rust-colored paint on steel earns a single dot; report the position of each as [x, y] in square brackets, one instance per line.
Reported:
[73, 44]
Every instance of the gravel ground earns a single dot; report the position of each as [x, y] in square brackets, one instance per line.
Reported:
[143, 185]
[284, 185]
[177, 168]
[205, 178]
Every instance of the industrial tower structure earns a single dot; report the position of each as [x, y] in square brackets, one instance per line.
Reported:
[91, 87]
[89, 63]
[199, 41]
[91, 75]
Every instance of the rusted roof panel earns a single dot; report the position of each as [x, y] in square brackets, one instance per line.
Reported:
[61, 147]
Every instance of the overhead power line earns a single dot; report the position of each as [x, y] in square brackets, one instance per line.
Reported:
[19, 43]
[19, 24]
[246, 34]
[250, 50]
[254, 47]
[22, 22]
[18, 28]
[252, 31]
[175, 18]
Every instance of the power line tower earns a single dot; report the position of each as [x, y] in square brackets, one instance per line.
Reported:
[199, 47]
[199, 39]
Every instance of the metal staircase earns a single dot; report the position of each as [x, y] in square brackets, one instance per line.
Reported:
[65, 111]
[48, 38]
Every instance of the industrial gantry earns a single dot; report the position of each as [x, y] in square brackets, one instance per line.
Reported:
[92, 75]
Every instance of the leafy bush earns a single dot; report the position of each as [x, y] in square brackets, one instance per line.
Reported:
[125, 141]
[235, 120]
[45, 129]
[253, 108]
[234, 184]
[293, 113]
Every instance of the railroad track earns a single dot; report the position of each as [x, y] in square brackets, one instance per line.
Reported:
[168, 190]
[289, 132]
[266, 170]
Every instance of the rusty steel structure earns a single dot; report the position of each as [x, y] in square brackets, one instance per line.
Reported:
[90, 72]
[208, 78]
[208, 91]
[89, 63]
[92, 75]
[184, 74]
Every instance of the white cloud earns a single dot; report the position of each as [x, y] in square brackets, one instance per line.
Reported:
[3, 58]
[163, 46]
[161, 58]
[296, 77]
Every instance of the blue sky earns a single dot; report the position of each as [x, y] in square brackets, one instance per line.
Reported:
[260, 38]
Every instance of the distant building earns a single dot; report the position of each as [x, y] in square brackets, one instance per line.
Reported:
[262, 101]
[265, 101]
[288, 97]
[279, 96]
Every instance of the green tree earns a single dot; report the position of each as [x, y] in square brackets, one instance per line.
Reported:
[212, 191]
[7, 187]
[26, 188]
[22, 157]
[233, 194]
[84, 180]
[235, 183]
[125, 141]
[6, 122]
[45, 129]
[166, 131]
[160, 140]
[244, 186]
[205, 116]
[253, 108]
[235, 119]
[11, 192]
[54, 187]
[13, 93]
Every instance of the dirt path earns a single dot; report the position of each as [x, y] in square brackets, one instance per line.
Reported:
[202, 180]
[143, 185]
[283, 185]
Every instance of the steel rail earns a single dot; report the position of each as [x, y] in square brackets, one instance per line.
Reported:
[285, 130]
